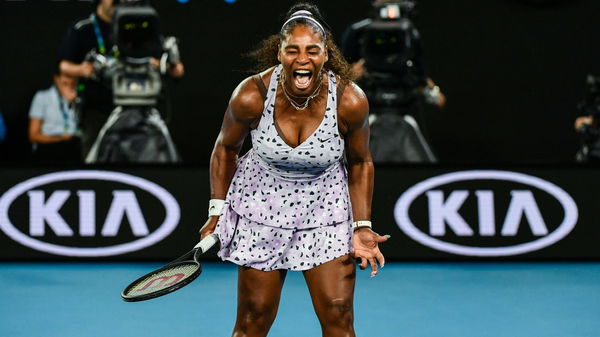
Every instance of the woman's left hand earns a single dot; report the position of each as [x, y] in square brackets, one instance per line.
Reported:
[365, 243]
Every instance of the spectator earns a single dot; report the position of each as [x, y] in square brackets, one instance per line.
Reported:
[92, 33]
[52, 122]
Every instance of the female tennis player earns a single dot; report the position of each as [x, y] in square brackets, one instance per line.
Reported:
[291, 202]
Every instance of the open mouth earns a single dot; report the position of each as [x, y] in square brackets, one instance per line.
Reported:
[302, 78]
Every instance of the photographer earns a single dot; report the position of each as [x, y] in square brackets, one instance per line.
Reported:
[387, 58]
[95, 96]
[587, 124]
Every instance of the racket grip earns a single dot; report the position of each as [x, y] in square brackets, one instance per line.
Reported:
[206, 243]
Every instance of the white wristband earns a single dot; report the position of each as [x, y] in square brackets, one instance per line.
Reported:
[363, 223]
[215, 207]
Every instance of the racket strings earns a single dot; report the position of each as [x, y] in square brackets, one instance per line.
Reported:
[164, 279]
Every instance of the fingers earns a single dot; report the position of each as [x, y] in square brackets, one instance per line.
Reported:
[376, 261]
[363, 263]
[367, 257]
[373, 267]
[382, 238]
[379, 257]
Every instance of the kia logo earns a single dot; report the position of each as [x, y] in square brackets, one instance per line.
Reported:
[522, 210]
[45, 218]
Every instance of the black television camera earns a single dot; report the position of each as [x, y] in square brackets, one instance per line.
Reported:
[135, 131]
[590, 133]
[130, 72]
[389, 46]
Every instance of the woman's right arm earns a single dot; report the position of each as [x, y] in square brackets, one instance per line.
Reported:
[244, 110]
[36, 135]
[84, 69]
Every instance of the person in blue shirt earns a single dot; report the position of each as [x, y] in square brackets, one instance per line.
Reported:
[53, 123]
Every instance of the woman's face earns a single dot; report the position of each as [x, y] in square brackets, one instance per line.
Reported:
[65, 86]
[107, 7]
[302, 54]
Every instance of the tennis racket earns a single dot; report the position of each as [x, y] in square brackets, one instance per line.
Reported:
[171, 277]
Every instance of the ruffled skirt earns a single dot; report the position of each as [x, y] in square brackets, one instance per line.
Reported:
[252, 244]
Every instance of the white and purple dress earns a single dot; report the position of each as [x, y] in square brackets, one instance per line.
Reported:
[288, 207]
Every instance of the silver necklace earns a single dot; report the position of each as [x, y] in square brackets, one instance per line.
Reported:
[300, 106]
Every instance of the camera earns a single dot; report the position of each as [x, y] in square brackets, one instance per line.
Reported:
[135, 81]
[135, 130]
[388, 39]
[389, 47]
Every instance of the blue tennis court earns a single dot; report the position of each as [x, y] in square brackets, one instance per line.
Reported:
[406, 299]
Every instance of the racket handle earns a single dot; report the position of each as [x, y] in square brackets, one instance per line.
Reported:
[206, 243]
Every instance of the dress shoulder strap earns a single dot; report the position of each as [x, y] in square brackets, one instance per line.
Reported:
[340, 92]
[261, 86]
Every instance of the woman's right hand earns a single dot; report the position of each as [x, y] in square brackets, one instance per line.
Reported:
[86, 69]
[209, 226]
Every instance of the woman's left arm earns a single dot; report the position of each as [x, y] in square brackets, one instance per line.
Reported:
[354, 124]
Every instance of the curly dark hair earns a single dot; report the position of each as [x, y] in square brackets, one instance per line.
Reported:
[265, 55]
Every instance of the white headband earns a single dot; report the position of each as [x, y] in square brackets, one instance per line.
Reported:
[304, 14]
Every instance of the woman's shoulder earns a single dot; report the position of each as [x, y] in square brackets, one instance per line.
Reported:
[353, 105]
[265, 75]
[248, 97]
[45, 95]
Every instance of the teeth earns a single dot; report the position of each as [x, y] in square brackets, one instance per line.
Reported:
[302, 72]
